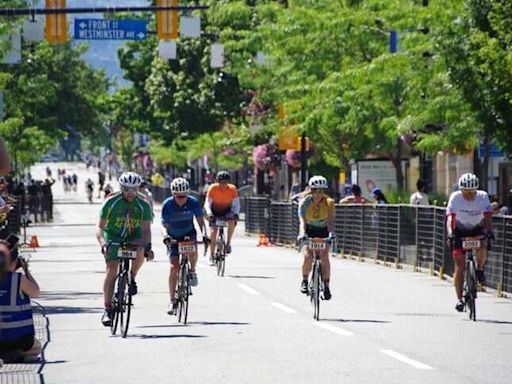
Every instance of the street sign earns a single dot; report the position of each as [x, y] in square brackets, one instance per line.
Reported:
[100, 29]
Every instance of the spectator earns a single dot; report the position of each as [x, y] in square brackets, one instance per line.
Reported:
[47, 199]
[379, 196]
[157, 180]
[355, 198]
[17, 339]
[420, 197]
[34, 200]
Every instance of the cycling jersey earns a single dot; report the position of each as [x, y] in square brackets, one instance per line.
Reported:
[316, 214]
[469, 214]
[220, 201]
[124, 219]
[180, 219]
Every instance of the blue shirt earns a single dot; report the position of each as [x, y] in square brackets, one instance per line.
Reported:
[180, 220]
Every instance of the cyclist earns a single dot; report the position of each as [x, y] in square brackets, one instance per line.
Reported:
[89, 188]
[316, 219]
[177, 220]
[468, 214]
[146, 193]
[222, 201]
[124, 217]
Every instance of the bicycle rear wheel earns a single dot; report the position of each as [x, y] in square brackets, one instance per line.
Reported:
[315, 290]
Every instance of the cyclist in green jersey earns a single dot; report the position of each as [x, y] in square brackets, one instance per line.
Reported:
[124, 217]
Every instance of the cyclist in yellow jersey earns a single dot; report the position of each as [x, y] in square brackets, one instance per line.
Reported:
[316, 219]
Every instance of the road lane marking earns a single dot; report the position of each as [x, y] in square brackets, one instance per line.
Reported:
[405, 359]
[248, 289]
[334, 329]
[284, 308]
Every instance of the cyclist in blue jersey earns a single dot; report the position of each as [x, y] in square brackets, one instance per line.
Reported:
[177, 219]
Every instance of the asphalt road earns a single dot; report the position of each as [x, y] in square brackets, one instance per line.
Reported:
[253, 326]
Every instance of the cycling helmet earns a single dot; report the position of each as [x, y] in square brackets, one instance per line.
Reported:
[318, 182]
[129, 180]
[223, 176]
[468, 181]
[180, 185]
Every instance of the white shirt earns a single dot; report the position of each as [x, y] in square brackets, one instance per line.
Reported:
[468, 214]
[419, 198]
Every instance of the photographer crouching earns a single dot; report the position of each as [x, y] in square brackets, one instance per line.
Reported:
[17, 334]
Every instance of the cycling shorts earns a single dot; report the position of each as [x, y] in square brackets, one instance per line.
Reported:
[459, 233]
[312, 231]
[173, 251]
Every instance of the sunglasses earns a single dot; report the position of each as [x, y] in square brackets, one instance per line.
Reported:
[130, 189]
[317, 190]
[180, 196]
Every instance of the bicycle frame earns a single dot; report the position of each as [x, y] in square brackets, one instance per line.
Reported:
[470, 245]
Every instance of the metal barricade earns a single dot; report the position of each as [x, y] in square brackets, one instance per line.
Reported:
[281, 223]
[257, 215]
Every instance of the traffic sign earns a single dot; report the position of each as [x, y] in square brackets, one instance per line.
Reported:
[101, 29]
[167, 21]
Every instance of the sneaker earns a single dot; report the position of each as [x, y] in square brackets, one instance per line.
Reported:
[193, 279]
[327, 293]
[212, 261]
[228, 248]
[133, 288]
[106, 319]
[459, 306]
[480, 276]
[172, 309]
[304, 287]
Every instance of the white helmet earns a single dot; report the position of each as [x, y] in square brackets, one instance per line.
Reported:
[468, 181]
[129, 180]
[180, 185]
[318, 182]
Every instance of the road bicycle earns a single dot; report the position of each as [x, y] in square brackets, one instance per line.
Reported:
[220, 252]
[315, 284]
[186, 248]
[122, 297]
[470, 245]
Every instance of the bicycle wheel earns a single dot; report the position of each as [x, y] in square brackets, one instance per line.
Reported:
[220, 259]
[471, 290]
[115, 316]
[125, 303]
[315, 290]
[183, 293]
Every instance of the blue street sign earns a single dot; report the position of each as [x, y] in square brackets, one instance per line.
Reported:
[100, 29]
[393, 41]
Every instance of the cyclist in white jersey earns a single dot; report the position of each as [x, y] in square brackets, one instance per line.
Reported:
[468, 214]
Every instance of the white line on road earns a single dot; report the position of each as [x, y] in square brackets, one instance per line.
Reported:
[248, 289]
[284, 308]
[405, 359]
[334, 329]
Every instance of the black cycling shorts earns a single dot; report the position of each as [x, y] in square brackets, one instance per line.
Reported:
[459, 233]
[321, 232]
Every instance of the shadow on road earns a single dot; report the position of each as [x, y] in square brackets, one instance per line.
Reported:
[69, 295]
[358, 321]
[494, 322]
[193, 323]
[63, 310]
[250, 277]
[166, 336]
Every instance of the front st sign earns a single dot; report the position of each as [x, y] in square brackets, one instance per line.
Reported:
[100, 29]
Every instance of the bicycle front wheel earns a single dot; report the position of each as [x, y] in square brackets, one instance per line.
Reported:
[183, 293]
[315, 290]
[125, 303]
[471, 290]
[115, 311]
[220, 256]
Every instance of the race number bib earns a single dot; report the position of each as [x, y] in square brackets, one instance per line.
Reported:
[187, 247]
[127, 253]
[471, 244]
[221, 223]
[316, 245]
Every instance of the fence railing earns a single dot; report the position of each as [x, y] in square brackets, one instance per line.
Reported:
[397, 234]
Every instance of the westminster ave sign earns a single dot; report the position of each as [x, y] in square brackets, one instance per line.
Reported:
[100, 29]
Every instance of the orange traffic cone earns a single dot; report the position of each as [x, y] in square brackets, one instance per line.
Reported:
[33, 242]
[263, 241]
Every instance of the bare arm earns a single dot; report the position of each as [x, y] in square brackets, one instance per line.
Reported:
[28, 283]
[146, 232]
[99, 232]
[164, 230]
[202, 226]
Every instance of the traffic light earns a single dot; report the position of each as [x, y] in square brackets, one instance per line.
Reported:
[56, 29]
[167, 21]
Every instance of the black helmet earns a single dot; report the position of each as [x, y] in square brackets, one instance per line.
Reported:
[223, 176]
